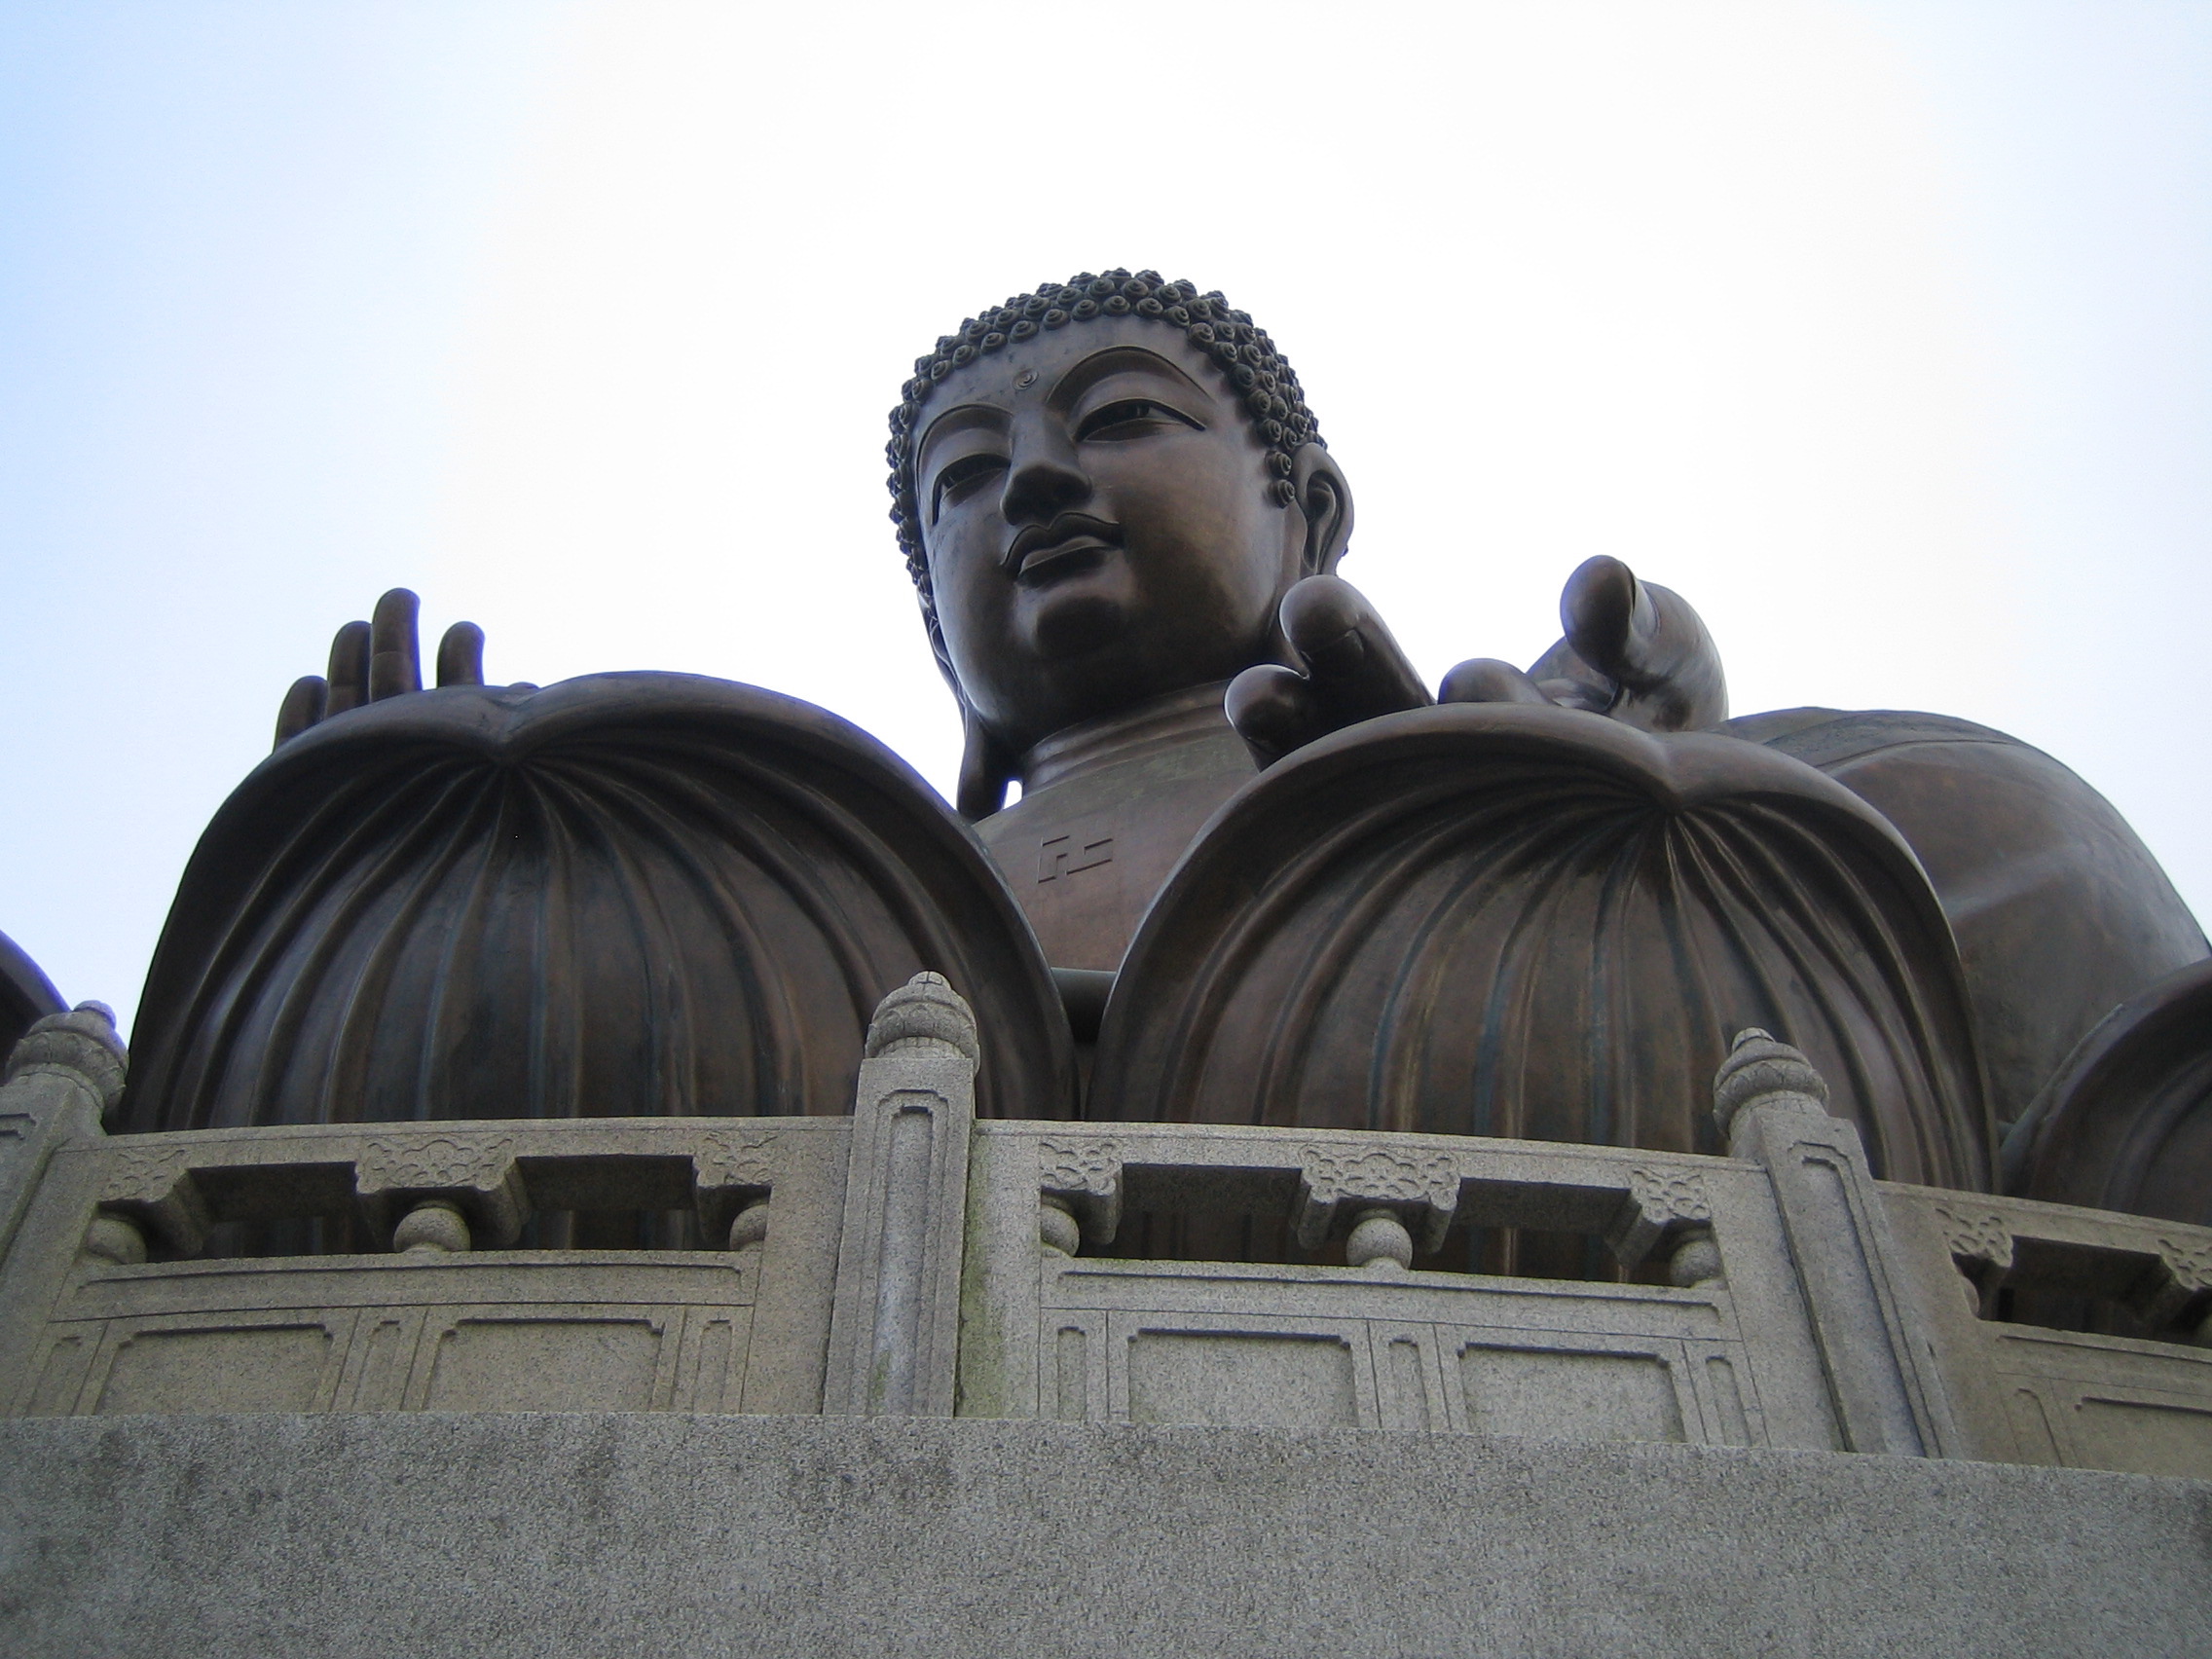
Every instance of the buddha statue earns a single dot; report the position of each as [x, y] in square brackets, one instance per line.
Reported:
[1112, 525]
[1125, 529]
[1304, 889]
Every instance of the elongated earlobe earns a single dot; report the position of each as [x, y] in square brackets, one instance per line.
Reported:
[985, 770]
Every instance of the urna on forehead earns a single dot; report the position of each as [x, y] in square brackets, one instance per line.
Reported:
[1271, 398]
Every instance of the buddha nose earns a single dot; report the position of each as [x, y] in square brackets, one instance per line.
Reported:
[1043, 482]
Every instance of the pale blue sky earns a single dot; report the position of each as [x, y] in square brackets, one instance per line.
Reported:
[1881, 331]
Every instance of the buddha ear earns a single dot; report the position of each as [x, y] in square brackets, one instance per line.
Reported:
[985, 770]
[1325, 498]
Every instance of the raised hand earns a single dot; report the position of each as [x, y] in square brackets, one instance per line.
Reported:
[370, 661]
[1354, 671]
[1634, 651]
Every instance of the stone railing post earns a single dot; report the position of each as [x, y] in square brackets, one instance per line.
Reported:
[895, 1322]
[62, 1078]
[1771, 1105]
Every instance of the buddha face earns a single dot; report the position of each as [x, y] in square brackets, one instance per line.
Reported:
[1096, 512]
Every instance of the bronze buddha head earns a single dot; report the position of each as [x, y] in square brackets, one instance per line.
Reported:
[1103, 491]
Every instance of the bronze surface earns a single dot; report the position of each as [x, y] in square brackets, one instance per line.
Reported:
[1540, 924]
[635, 894]
[2126, 1123]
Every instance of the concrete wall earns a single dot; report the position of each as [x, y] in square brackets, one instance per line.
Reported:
[494, 1534]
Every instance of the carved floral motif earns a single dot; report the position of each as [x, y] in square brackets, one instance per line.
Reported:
[441, 1161]
[2175, 1291]
[1094, 1167]
[1333, 1176]
[154, 1185]
[1089, 1174]
[1338, 1176]
[733, 1160]
[2189, 1266]
[1659, 1203]
[1666, 1197]
[144, 1175]
[1976, 1235]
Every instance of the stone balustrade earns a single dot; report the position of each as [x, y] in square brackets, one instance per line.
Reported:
[912, 1261]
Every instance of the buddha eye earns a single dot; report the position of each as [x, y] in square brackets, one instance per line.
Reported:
[1132, 418]
[958, 479]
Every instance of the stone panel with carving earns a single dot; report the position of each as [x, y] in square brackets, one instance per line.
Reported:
[1334, 1176]
[1087, 1176]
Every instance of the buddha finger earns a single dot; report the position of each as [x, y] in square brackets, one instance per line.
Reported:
[460, 656]
[1650, 643]
[1486, 680]
[349, 669]
[1274, 711]
[303, 706]
[1676, 658]
[1634, 632]
[395, 663]
[1607, 618]
[1358, 667]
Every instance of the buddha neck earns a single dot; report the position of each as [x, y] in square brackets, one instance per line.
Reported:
[1178, 719]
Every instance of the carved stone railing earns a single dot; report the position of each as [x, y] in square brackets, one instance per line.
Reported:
[2139, 1401]
[1746, 1274]
[910, 1260]
[112, 1298]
